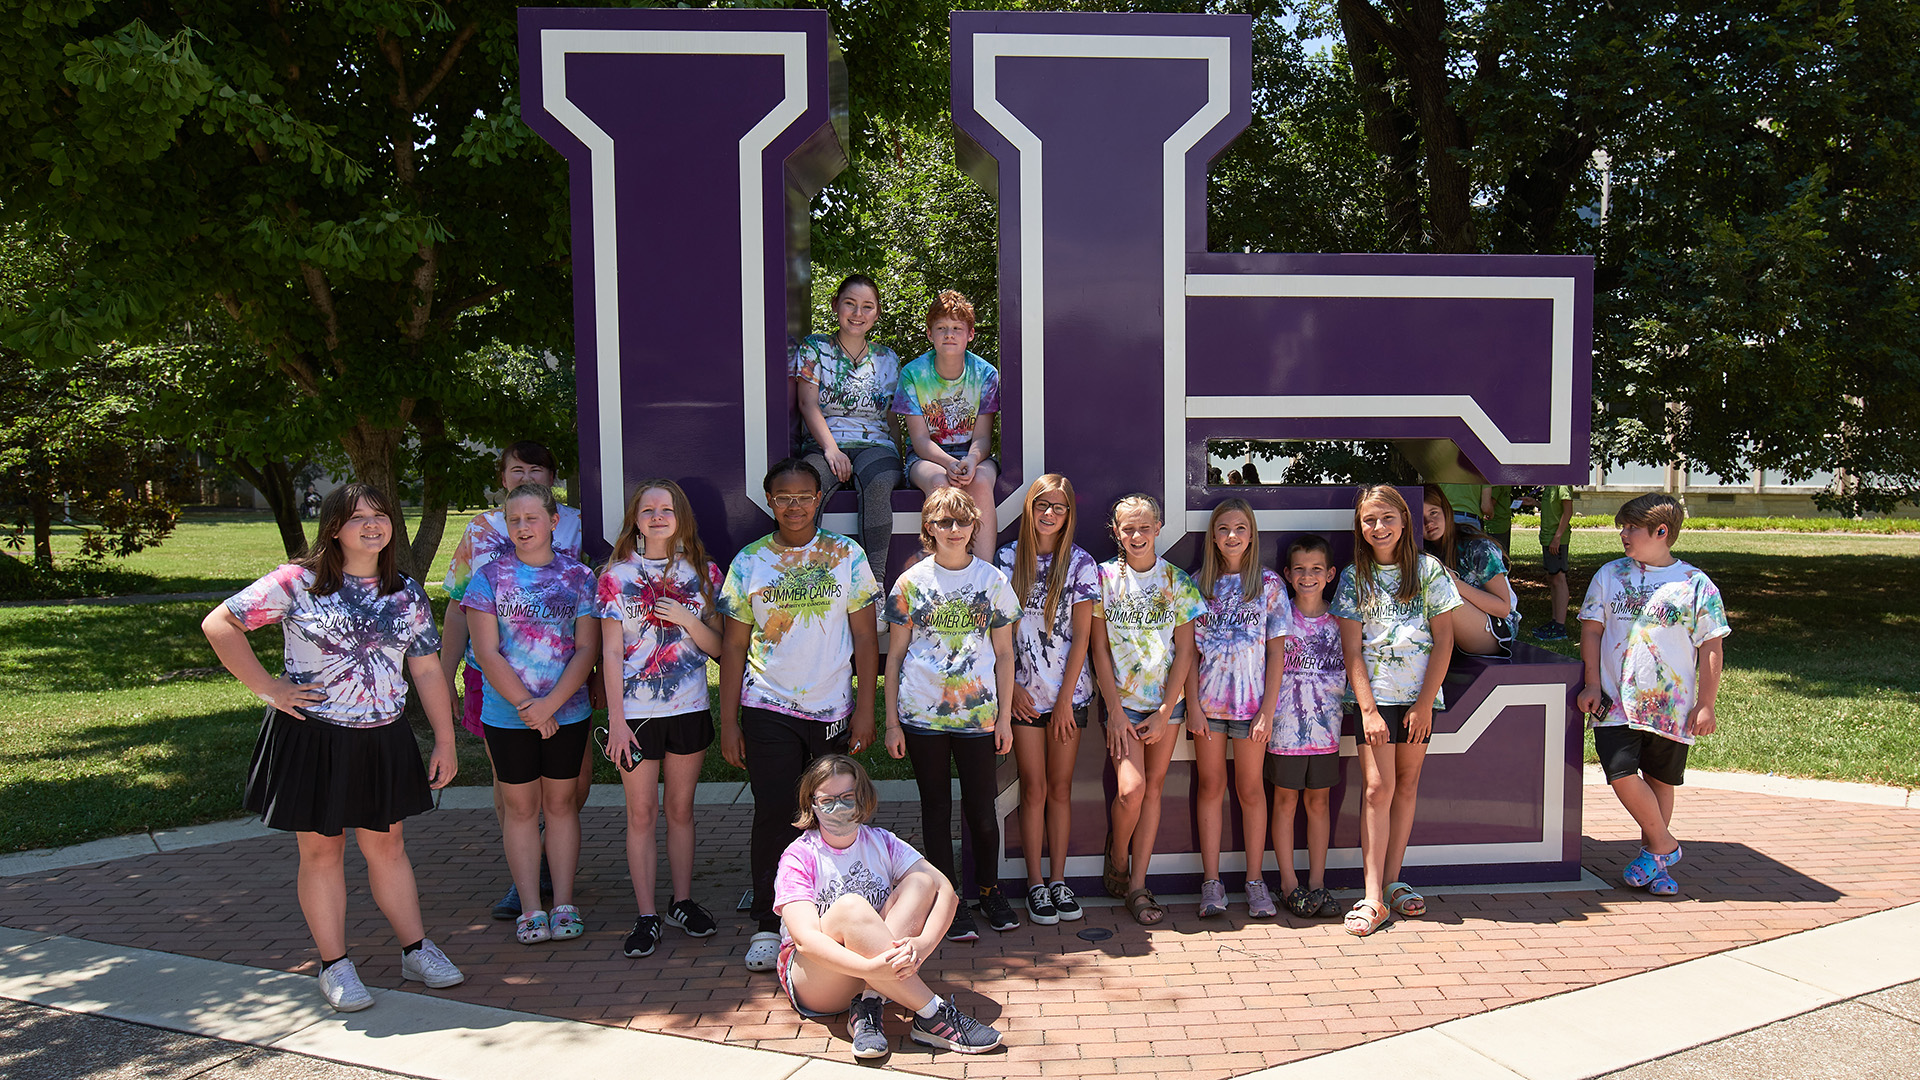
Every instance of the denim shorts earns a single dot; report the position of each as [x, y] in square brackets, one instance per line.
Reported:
[1137, 718]
[1233, 729]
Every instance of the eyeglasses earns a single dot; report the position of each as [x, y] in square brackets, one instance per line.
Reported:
[1051, 507]
[948, 523]
[788, 502]
[830, 803]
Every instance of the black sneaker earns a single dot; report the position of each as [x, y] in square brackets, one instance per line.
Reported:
[692, 918]
[1040, 907]
[962, 928]
[1064, 902]
[995, 909]
[864, 1019]
[954, 1030]
[1552, 631]
[644, 937]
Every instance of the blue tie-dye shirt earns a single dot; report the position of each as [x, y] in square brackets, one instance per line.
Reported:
[535, 608]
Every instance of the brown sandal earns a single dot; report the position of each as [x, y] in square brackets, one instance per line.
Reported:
[1145, 907]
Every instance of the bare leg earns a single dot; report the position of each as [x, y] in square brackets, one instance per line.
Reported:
[1644, 800]
[1319, 833]
[1030, 757]
[986, 538]
[1284, 802]
[1060, 759]
[390, 878]
[1250, 784]
[1210, 773]
[642, 786]
[852, 922]
[683, 775]
[1408, 760]
[1471, 634]
[1159, 755]
[323, 891]
[1130, 789]
[560, 799]
[520, 834]
[1558, 584]
[1376, 811]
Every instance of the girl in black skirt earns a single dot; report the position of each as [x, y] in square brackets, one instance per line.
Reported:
[333, 753]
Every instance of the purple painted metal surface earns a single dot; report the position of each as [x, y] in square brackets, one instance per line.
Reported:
[696, 138]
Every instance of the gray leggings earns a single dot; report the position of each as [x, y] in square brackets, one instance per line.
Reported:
[876, 472]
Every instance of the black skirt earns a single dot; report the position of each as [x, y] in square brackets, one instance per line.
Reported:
[312, 776]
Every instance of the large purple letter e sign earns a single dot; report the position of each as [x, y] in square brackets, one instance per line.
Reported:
[696, 139]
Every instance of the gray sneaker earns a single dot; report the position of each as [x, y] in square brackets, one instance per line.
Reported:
[1213, 898]
[429, 965]
[341, 986]
[954, 1030]
[1259, 901]
[864, 1019]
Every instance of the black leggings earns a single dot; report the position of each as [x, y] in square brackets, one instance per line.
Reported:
[973, 757]
[779, 748]
[876, 472]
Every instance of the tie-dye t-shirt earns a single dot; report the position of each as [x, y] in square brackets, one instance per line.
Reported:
[946, 676]
[800, 659]
[1396, 639]
[486, 539]
[663, 673]
[1307, 720]
[1653, 621]
[1480, 562]
[1142, 610]
[351, 643]
[1231, 636]
[950, 406]
[814, 871]
[534, 608]
[1040, 651]
[856, 396]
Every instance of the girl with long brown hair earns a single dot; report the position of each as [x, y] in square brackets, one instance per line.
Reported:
[659, 625]
[1057, 582]
[1391, 604]
[334, 752]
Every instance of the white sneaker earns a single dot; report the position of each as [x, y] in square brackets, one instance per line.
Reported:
[341, 986]
[429, 965]
[763, 951]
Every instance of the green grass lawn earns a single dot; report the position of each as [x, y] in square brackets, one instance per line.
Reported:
[1820, 678]
[110, 722]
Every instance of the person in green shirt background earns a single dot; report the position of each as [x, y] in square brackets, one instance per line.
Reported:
[1556, 522]
[1469, 502]
[1500, 517]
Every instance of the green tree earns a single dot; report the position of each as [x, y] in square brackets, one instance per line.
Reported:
[348, 183]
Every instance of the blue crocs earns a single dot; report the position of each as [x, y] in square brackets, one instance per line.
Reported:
[1648, 867]
[1663, 884]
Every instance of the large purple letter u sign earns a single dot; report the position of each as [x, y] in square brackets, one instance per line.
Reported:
[696, 139]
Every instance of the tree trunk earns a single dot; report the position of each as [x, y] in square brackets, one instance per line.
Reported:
[435, 456]
[1391, 135]
[41, 506]
[275, 481]
[372, 451]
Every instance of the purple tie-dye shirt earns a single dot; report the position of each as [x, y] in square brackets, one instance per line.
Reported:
[1307, 720]
[351, 643]
[535, 608]
[1231, 637]
[663, 672]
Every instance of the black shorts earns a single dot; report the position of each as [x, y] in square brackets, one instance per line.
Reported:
[1624, 751]
[1396, 718]
[1079, 719]
[658, 736]
[1303, 772]
[521, 756]
[1554, 563]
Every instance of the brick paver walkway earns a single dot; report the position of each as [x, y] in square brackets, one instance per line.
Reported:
[1205, 999]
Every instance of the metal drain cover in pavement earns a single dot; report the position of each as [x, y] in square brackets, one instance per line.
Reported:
[1095, 933]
